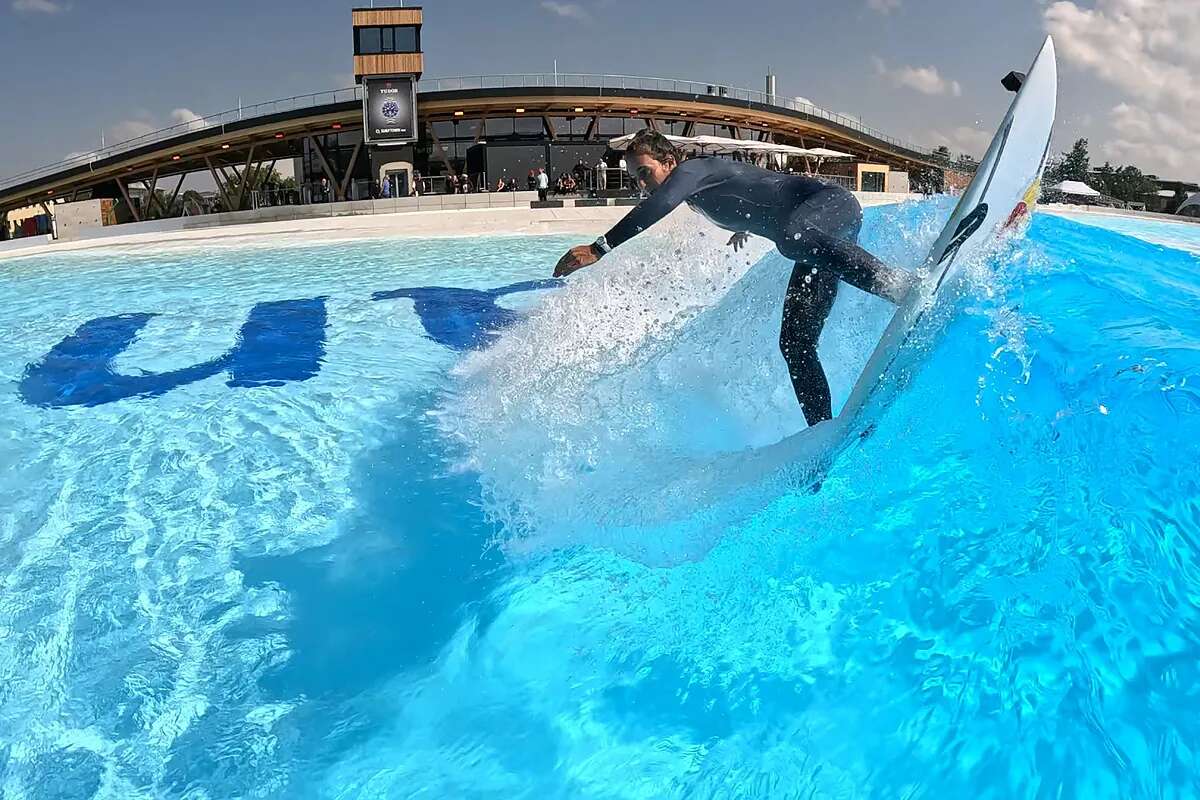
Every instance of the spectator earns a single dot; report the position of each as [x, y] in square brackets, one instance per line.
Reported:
[387, 187]
[531, 181]
[543, 184]
[601, 176]
[324, 189]
[452, 184]
[466, 184]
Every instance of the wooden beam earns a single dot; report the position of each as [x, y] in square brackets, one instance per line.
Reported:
[549, 125]
[349, 171]
[245, 174]
[175, 194]
[324, 164]
[151, 185]
[260, 173]
[217, 180]
[132, 208]
[590, 134]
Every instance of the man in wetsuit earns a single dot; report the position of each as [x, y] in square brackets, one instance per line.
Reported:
[813, 223]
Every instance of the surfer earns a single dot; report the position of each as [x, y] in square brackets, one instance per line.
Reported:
[813, 223]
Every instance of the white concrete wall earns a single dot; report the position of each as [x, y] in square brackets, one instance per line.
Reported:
[75, 219]
[433, 215]
[15, 246]
[1053, 208]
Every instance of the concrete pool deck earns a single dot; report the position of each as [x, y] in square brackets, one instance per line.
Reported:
[587, 221]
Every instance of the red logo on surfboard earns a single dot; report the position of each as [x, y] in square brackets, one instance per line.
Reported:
[1021, 211]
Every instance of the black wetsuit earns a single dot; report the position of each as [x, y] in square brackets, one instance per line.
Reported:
[813, 223]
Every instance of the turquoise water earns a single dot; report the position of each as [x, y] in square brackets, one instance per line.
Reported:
[313, 534]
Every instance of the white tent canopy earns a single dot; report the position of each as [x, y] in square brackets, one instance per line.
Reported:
[825, 152]
[1077, 188]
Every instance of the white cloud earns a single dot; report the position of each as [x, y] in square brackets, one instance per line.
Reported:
[567, 10]
[883, 6]
[145, 122]
[129, 129]
[38, 6]
[963, 139]
[926, 80]
[185, 116]
[1146, 50]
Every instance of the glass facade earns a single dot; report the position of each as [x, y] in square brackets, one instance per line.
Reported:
[369, 41]
[507, 147]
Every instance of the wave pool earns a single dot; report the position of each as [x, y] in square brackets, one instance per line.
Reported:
[403, 518]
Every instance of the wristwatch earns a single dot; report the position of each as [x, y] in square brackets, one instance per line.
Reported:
[601, 246]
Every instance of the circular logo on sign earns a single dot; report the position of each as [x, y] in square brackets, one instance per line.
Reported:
[390, 109]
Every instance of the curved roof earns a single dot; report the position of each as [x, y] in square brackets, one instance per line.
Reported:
[268, 130]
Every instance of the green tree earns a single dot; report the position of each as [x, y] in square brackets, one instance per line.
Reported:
[1073, 165]
[1126, 183]
[941, 152]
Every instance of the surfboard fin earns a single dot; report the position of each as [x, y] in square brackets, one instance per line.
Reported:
[1013, 81]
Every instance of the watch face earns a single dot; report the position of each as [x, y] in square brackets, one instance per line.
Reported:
[390, 109]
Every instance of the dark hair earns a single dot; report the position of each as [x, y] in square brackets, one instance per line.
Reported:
[652, 143]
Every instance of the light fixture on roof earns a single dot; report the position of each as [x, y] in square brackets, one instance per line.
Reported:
[520, 111]
[175, 157]
[633, 111]
[458, 113]
[337, 126]
[279, 136]
[224, 147]
[578, 110]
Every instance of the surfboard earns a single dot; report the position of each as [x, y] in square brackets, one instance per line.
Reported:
[998, 199]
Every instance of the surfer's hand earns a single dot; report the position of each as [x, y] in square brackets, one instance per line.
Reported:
[576, 258]
[738, 240]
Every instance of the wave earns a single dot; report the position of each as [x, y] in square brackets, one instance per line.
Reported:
[624, 410]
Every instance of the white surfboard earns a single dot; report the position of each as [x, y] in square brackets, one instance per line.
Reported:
[1000, 197]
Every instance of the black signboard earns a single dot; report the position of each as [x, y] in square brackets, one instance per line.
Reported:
[389, 110]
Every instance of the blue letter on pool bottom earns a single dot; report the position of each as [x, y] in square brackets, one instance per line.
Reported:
[279, 342]
[464, 318]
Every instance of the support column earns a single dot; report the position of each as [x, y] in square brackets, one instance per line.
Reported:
[132, 208]
[151, 185]
[349, 171]
[174, 195]
[312, 142]
[217, 180]
[245, 175]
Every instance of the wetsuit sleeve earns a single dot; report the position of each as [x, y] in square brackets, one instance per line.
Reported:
[684, 181]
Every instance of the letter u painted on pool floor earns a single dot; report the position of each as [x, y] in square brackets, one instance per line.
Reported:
[279, 342]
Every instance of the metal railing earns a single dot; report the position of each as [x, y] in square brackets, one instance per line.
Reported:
[637, 82]
[464, 83]
[211, 121]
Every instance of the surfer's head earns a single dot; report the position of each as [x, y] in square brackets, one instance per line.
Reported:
[651, 157]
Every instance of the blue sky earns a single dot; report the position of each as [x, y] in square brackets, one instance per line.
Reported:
[924, 70]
